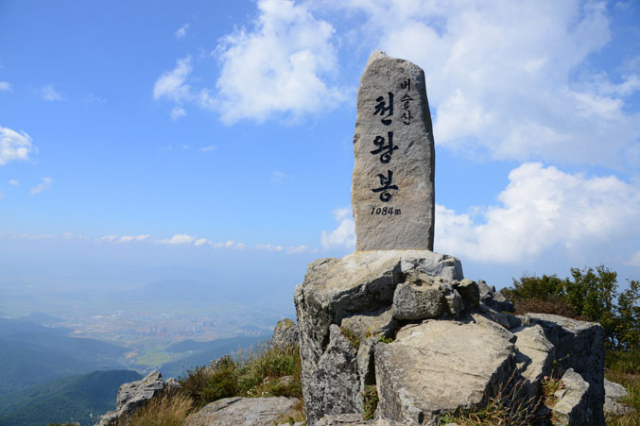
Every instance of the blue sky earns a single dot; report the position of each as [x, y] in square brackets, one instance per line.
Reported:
[155, 139]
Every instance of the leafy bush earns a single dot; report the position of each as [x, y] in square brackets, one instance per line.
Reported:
[588, 295]
[258, 372]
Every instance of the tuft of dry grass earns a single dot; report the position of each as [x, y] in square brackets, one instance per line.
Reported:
[167, 410]
[624, 367]
[295, 415]
[509, 407]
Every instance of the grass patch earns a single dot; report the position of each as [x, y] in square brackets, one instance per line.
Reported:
[295, 415]
[353, 338]
[370, 402]
[509, 407]
[624, 367]
[264, 371]
[167, 410]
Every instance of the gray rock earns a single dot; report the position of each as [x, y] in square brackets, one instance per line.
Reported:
[220, 363]
[334, 386]
[508, 321]
[614, 392]
[394, 158]
[351, 420]
[242, 412]
[413, 302]
[535, 356]
[133, 396]
[439, 366]
[572, 407]
[455, 305]
[285, 333]
[469, 291]
[579, 346]
[346, 291]
[371, 324]
[494, 299]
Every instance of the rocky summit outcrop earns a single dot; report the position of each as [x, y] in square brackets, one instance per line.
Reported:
[242, 411]
[285, 333]
[134, 395]
[408, 323]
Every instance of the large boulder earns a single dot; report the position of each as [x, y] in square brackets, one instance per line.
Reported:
[579, 346]
[359, 285]
[133, 396]
[535, 356]
[572, 407]
[285, 333]
[242, 412]
[440, 366]
[614, 393]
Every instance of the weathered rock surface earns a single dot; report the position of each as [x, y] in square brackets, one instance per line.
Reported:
[132, 396]
[439, 366]
[579, 345]
[535, 356]
[334, 386]
[572, 407]
[392, 196]
[351, 420]
[242, 412]
[285, 333]
[359, 285]
[614, 392]
[494, 299]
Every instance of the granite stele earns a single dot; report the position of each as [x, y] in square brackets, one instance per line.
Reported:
[392, 194]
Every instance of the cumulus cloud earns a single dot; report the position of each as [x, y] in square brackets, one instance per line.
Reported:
[14, 182]
[269, 247]
[298, 249]
[124, 238]
[182, 31]
[344, 236]
[278, 66]
[540, 209]
[45, 183]
[180, 239]
[174, 85]
[511, 80]
[177, 112]
[49, 93]
[5, 86]
[14, 146]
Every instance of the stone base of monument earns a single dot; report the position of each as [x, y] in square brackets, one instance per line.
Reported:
[408, 323]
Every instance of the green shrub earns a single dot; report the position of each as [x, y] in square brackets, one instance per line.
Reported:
[370, 402]
[590, 295]
[353, 338]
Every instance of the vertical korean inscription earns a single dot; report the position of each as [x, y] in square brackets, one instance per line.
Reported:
[392, 190]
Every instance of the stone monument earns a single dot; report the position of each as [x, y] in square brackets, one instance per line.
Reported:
[392, 193]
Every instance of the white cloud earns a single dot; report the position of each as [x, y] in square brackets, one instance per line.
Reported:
[277, 176]
[239, 246]
[278, 66]
[228, 244]
[182, 31]
[44, 184]
[177, 112]
[344, 236]
[171, 84]
[298, 249]
[14, 182]
[269, 247]
[109, 238]
[180, 239]
[634, 260]
[14, 146]
[49, 93]
[208, 148]
[511, 80]
[129, 238]
[201, 242]
[5, 86]
[544, 208]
